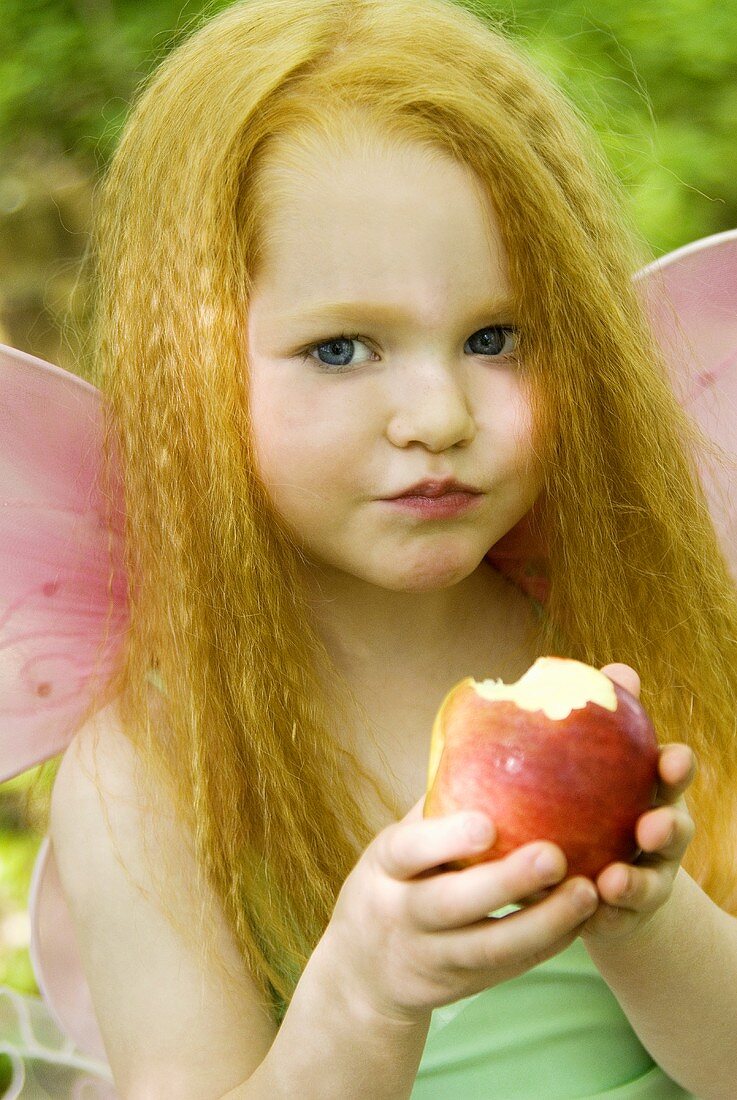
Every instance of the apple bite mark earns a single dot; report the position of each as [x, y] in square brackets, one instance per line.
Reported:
[555, 686]
[564, 755]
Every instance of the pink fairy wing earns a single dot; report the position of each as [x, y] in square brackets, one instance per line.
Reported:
[691, 298]
[63, 617]
[59, 559]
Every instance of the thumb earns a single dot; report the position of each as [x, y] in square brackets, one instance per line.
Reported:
[625, 676]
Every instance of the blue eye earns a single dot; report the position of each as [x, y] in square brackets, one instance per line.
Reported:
[333, 343]
[494, 345]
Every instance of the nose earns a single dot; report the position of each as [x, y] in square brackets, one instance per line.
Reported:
[430, 405]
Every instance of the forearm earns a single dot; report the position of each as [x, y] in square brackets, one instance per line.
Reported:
[329, 1047]
[677, 983]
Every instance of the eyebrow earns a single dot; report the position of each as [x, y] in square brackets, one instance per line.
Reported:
[378, 311]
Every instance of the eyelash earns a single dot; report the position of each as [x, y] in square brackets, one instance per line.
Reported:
[327, 368]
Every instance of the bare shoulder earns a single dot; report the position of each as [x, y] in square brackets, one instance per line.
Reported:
[96, 806]
[168, 1019]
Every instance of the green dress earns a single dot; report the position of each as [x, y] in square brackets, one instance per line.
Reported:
[554, 1033]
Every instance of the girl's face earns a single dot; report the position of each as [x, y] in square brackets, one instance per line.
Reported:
[377, 358]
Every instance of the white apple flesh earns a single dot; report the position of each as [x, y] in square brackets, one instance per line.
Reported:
[564, 754]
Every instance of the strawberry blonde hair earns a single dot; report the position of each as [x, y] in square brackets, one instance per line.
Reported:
[246, 749]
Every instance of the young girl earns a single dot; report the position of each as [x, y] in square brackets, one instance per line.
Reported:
[345, 249]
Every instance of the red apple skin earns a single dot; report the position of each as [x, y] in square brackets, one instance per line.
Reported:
[581, 782]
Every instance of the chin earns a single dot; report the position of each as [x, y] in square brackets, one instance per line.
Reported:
[432, 573]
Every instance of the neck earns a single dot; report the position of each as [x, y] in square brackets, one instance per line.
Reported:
[465, 629]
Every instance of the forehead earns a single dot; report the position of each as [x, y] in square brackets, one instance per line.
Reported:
[377, 223]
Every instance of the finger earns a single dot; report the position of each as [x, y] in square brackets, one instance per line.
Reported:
[511, 942]
[409, 848]
[459, 898]
[676, 769]
[625, 676]
[640, 889]
[665, 833]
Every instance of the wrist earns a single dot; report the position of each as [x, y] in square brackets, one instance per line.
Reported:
[333, 1043]
[333, 977]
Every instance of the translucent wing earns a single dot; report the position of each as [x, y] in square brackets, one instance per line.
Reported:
[56, 961]
[60, 558]
[60, 635]
[691, 298]
[43, 1060]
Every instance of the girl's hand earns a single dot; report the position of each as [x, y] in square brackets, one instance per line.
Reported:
[632, 893]
[408, 934]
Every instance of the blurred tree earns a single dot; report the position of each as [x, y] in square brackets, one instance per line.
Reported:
[69, 67]
[656, 82]
[68, 71]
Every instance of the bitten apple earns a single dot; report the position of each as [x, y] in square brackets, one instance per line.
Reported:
[564, 754]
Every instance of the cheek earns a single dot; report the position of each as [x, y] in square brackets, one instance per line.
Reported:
[296, 446]
[284, 451]
[508, 422]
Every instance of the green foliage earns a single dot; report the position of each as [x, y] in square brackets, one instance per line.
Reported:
[21, 825]
[656, 81]
[68, 68]
[6, 1073]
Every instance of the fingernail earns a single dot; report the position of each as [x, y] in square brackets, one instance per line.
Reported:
[547, 864]
[627, 888]
[585, 896]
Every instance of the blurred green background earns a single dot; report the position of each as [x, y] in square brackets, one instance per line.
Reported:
[656, 81]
